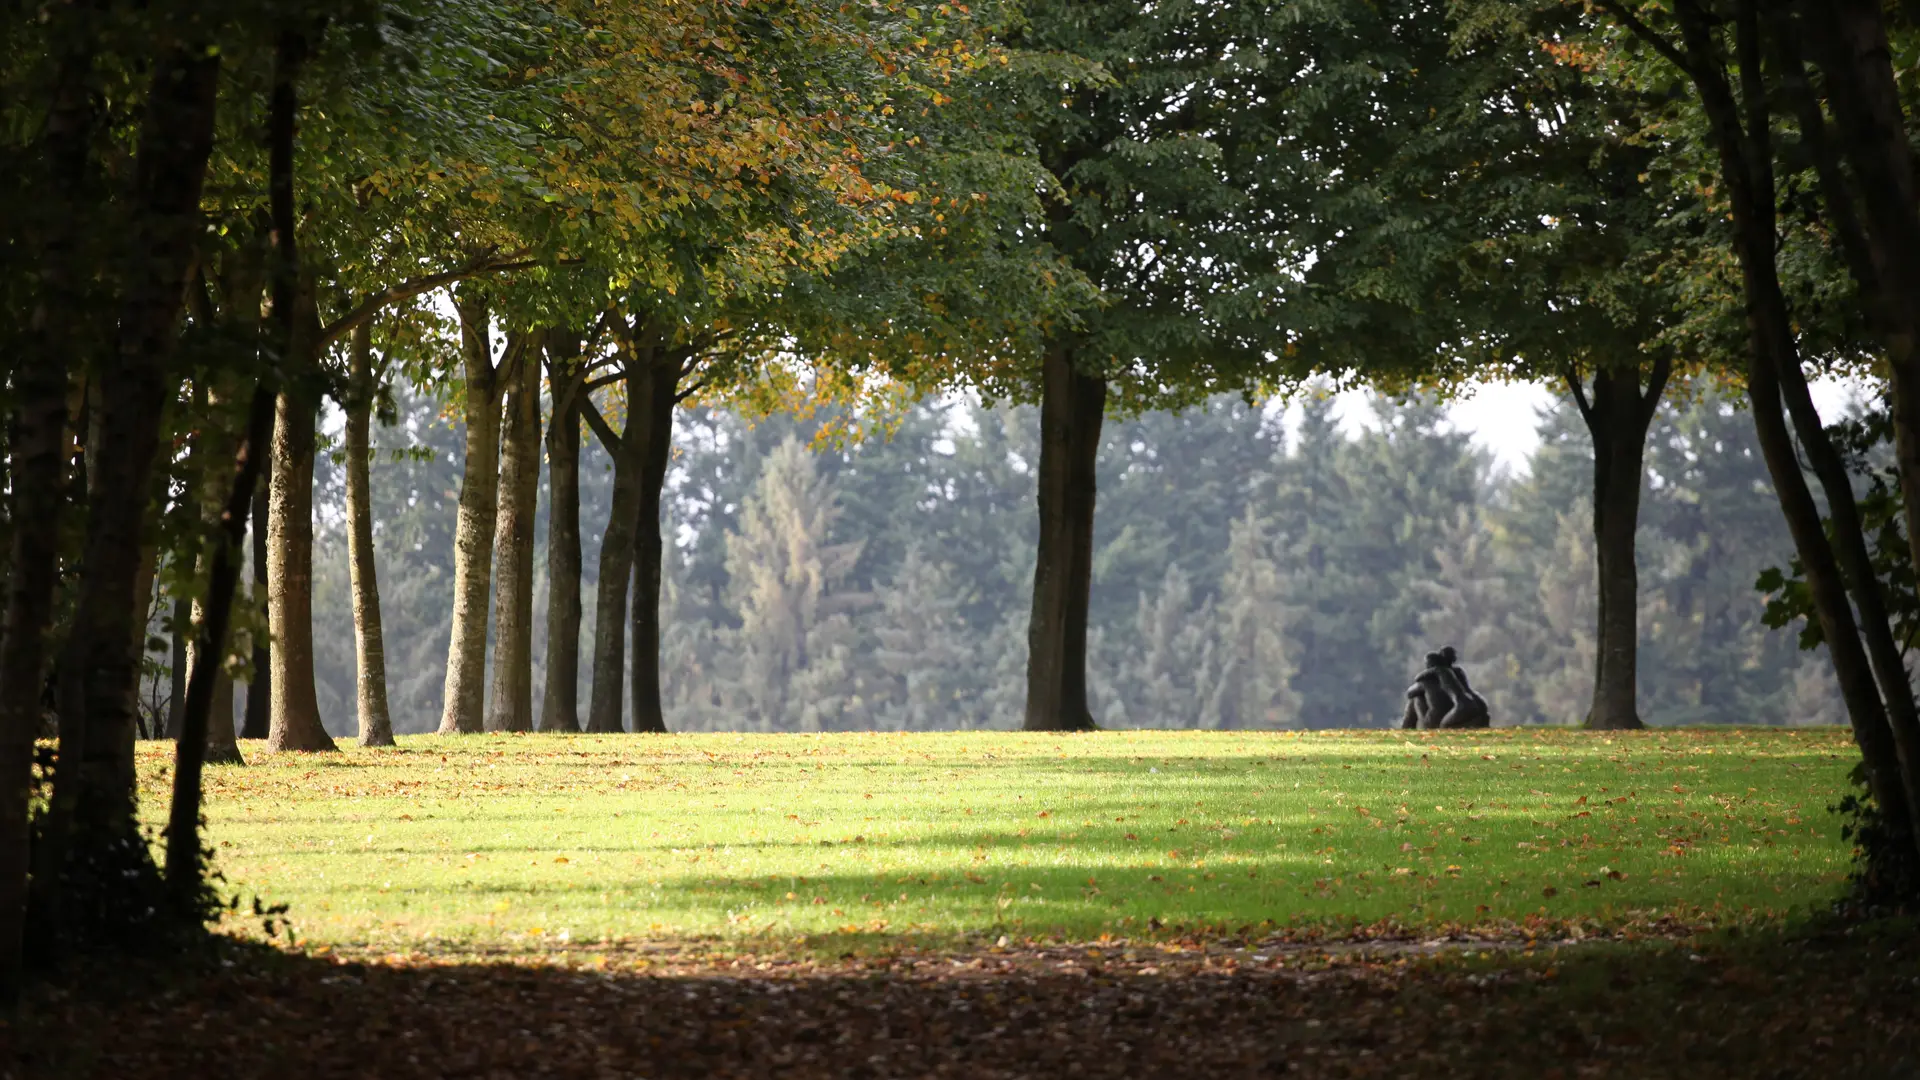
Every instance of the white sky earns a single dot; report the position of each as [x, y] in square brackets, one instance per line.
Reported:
[1504, 417]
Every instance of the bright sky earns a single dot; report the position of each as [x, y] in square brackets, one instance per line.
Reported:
[1503, 417]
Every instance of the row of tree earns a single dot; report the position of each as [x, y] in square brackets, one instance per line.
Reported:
[1247, 572]
[224, 214]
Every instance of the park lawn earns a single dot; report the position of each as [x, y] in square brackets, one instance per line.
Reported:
[525, 842]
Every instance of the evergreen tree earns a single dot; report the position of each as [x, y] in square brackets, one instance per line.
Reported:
[1166, 675]
[785, 575]
[922, 645]
[1563, 639]
[1257, 662]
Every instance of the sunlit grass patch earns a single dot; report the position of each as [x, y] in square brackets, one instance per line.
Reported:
[525, 841]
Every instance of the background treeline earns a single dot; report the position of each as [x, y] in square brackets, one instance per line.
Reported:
[1252, 571]
[546, 218]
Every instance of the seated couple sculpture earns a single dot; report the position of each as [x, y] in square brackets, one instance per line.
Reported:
[1441, 697]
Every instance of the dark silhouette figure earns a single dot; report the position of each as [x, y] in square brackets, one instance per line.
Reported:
[1427, 699]
[1441, 696]
[1469, 709]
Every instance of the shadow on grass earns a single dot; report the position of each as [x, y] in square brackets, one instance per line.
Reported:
[1834, 1004]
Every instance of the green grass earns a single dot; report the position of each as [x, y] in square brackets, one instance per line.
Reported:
[520, 842]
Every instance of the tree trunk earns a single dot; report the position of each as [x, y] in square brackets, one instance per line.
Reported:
[1618, 418]
[92, 804]
[38, 483]
[259, 717]
[38, 449]
[213, 480]
[652, 393]
[566, 374]
[185, 868]
[181, 620]
[1072, 406]
[1856, 57]
[295, 720]
[512, 706]
[464, 699]
[369, 641]
[1746, 166]
[616, 569]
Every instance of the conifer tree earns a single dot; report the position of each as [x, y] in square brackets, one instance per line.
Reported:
[785, 574]
[1167, 679]
[1257, 661]
[921, 644]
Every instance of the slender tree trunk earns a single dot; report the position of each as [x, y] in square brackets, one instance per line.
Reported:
[38, 447]
[616, 570]
[1746, 166]
[93, 794]
[181, 620]
[1618, 418]
[295, 722]
[257, 716]
[512, 706]
[38, 483]
[1072, 407]
[369, 640]
[38, 444]
[185, 869]
[651, 398]
[560, 704]
[1855, 55]
[243, 278]
[213, 478]
[464, 699]
[258, 720]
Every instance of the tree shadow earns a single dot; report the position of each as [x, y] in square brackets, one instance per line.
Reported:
[1782, 1004]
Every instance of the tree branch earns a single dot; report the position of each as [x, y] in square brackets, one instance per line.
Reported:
[1660, 42]
[692, 388]
[373, 305]
[1580, 396]
[519, 348]
[1841, 213]
[1656, 385]
[591, 413]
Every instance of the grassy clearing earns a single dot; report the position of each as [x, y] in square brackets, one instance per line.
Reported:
[523, 842]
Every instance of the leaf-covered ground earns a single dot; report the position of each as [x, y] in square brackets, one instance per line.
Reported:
[527, 843]
[1508, 904]
[1816, 1006]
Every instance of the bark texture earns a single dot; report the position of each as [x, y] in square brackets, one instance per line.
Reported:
[1856, 57]
[92, 805]
[616, 570]
[294, 722]
[512, 705]
[560, 698]
[1072, 408]
[38, 448]
[1617, 416]
[652, 393]
[369, 640]
[38, 482]
[258, 720]
[464, 698]
[213, 481]
[180, 646]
